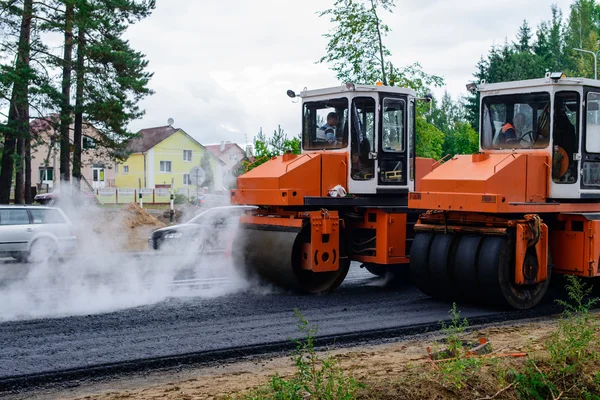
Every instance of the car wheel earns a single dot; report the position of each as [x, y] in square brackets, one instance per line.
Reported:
[42, 250]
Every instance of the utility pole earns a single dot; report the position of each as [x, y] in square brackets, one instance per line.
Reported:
[595, 60]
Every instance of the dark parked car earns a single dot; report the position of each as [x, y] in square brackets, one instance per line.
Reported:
[211, 231]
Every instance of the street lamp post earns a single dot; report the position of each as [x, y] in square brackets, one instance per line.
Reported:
[595, 60]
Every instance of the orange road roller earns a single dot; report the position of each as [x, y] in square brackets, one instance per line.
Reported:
[526, 206]
[343, 198]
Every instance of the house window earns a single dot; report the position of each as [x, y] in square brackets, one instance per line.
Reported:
[125, 169]
[233, 157]
[116, 168]
[186, 179]
[187, 155]
[88, 143]
[49, 176]
[165, 166]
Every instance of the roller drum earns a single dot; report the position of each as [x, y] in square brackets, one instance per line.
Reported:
[275, 256]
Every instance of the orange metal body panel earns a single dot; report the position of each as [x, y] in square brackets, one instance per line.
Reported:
[334, 171]
[460, 183]
[575, 247]
[286, 180]
[389, 230]
[462, 175]
[423, 166]
[523, 237]
[283, 221]
[538, 171]
[492, 183]
[322, 254]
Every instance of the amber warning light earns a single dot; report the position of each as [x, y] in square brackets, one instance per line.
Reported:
[415, 196]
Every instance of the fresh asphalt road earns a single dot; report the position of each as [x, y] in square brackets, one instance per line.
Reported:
[198, 313]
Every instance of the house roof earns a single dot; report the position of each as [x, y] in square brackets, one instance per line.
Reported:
[216, 148]
[150, 137]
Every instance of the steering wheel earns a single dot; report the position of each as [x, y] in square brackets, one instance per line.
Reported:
[518, 140]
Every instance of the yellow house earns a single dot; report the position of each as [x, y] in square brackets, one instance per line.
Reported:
[164, 153]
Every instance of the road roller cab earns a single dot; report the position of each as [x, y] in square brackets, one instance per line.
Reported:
[500, 221]
[344, 198]
[356, 136]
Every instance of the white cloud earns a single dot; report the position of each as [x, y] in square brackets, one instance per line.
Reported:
[222, 68]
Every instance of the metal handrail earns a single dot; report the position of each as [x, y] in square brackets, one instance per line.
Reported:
[255, 162]
[443, 159]
[501, 161]
[296, 159]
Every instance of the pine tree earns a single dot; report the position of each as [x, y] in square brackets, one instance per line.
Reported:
[524, 38]
[17, 127]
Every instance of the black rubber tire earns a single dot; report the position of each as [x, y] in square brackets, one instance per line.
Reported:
[465, 267]
[43, 250]
[419, 262]
[496, 276]
[441, 266]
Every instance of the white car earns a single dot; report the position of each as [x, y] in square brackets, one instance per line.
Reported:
[35, 233]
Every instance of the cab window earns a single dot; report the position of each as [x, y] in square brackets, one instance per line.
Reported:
[565, 137]
[393, 125]
[516, 121]
[592, 126]
[362, 138]
[325, 124]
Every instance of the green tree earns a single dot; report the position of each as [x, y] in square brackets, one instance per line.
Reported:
[355, 48]
[582, 32]
[429, 140]
[17, 127]
[111, 76]
[266, 148]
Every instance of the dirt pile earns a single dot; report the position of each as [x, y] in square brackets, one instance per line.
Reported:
[138, 224]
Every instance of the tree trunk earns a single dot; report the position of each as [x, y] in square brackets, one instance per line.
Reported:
[28, 194]
[380, 43]
[65, 111]
[77, 136]
[19, 171]
[18, 114]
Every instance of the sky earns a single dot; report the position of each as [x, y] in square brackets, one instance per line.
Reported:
[222, 68]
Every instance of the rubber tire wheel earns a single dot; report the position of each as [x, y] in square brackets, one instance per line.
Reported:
[441, 265]
[45, 245]
[465, 267]
[496, 274]
[419, 261]
[376, 270]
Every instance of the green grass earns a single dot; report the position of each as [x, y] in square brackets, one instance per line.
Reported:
[315, 377]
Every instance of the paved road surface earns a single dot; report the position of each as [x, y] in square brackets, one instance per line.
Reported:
[197, 313]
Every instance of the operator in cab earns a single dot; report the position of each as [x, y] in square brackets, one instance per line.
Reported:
[327, 133]
[508, 132]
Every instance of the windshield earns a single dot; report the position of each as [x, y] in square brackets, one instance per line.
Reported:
[515, 121]
[325, 124]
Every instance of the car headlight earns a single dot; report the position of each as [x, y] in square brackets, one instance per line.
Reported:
[173, 235]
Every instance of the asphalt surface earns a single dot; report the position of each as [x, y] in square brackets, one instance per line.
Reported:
[189, 313]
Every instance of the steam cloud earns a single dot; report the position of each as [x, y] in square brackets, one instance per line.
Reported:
[102, 278]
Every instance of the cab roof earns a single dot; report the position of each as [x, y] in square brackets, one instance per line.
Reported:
[342, 89]
[537, 83]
